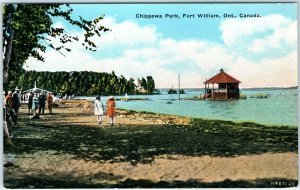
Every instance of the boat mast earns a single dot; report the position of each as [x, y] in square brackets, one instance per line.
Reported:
[179, 86]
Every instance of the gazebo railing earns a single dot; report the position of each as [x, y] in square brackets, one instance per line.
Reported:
[223, 94]
[224, 90]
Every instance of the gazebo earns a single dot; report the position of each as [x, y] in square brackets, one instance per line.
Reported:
[228, 87]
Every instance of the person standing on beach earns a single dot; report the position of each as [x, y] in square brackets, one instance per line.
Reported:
[9, 102]
[35, 103]
[16, 101]
[50, 102]
[111, 109]
[10, 107]
[30, 103]
[99, 109]
[42, 103]
[9, 110]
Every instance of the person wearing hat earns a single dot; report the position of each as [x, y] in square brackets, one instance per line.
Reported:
[111, 109]
[99, 109]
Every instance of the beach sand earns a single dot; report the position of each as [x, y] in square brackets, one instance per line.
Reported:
[132, 153]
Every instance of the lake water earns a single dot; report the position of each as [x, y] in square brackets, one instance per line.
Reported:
[281, 108]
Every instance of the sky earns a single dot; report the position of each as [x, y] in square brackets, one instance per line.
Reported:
[259, 51]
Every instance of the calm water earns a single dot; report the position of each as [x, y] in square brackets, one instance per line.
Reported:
[281, 108]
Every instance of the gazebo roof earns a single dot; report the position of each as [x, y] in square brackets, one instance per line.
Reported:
[222, 77]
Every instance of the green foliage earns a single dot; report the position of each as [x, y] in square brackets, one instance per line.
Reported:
[243, 96]
[144, 83]
[172, 91]
[150, 85]
[147, 84]
[79, 83]
[182, 91]
[260, 95]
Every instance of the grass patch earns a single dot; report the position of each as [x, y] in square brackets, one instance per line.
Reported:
[141, 143]
[260, 95]
[243, 96]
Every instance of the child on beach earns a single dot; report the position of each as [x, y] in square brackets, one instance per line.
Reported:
[35, 103]
[111, 105]
[99, 109]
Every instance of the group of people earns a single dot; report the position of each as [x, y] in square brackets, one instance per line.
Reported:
[11, 106]
[100, 109]
[38, 102]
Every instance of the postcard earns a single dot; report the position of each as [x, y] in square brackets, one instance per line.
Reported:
[150, 95]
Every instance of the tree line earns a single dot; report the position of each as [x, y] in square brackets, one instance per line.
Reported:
[83, 83]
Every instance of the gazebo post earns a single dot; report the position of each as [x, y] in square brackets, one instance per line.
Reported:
[212, 95]
[226, 92]
[238, 91]
[205, 91]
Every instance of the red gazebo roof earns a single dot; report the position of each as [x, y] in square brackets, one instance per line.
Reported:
[221, 77]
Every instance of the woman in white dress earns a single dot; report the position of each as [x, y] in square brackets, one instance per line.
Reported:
[99, 109]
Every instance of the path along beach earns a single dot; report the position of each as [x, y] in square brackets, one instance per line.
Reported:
[70, 149]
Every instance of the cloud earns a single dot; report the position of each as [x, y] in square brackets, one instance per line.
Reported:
[234, 30]
[127, 33]
[257, 38]
[281, 37]
[275, 72]
[138, 51]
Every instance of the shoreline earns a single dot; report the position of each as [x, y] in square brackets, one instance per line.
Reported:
[242, 122]
[238, 122]
[69, 149]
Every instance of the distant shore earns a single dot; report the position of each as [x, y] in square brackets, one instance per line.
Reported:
[70, 149]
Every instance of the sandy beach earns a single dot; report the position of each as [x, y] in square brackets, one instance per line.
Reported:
[70, 149]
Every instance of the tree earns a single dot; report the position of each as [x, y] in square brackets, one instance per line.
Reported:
[150, 84]
[28, 30]
[144, 83]
[172, 91]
